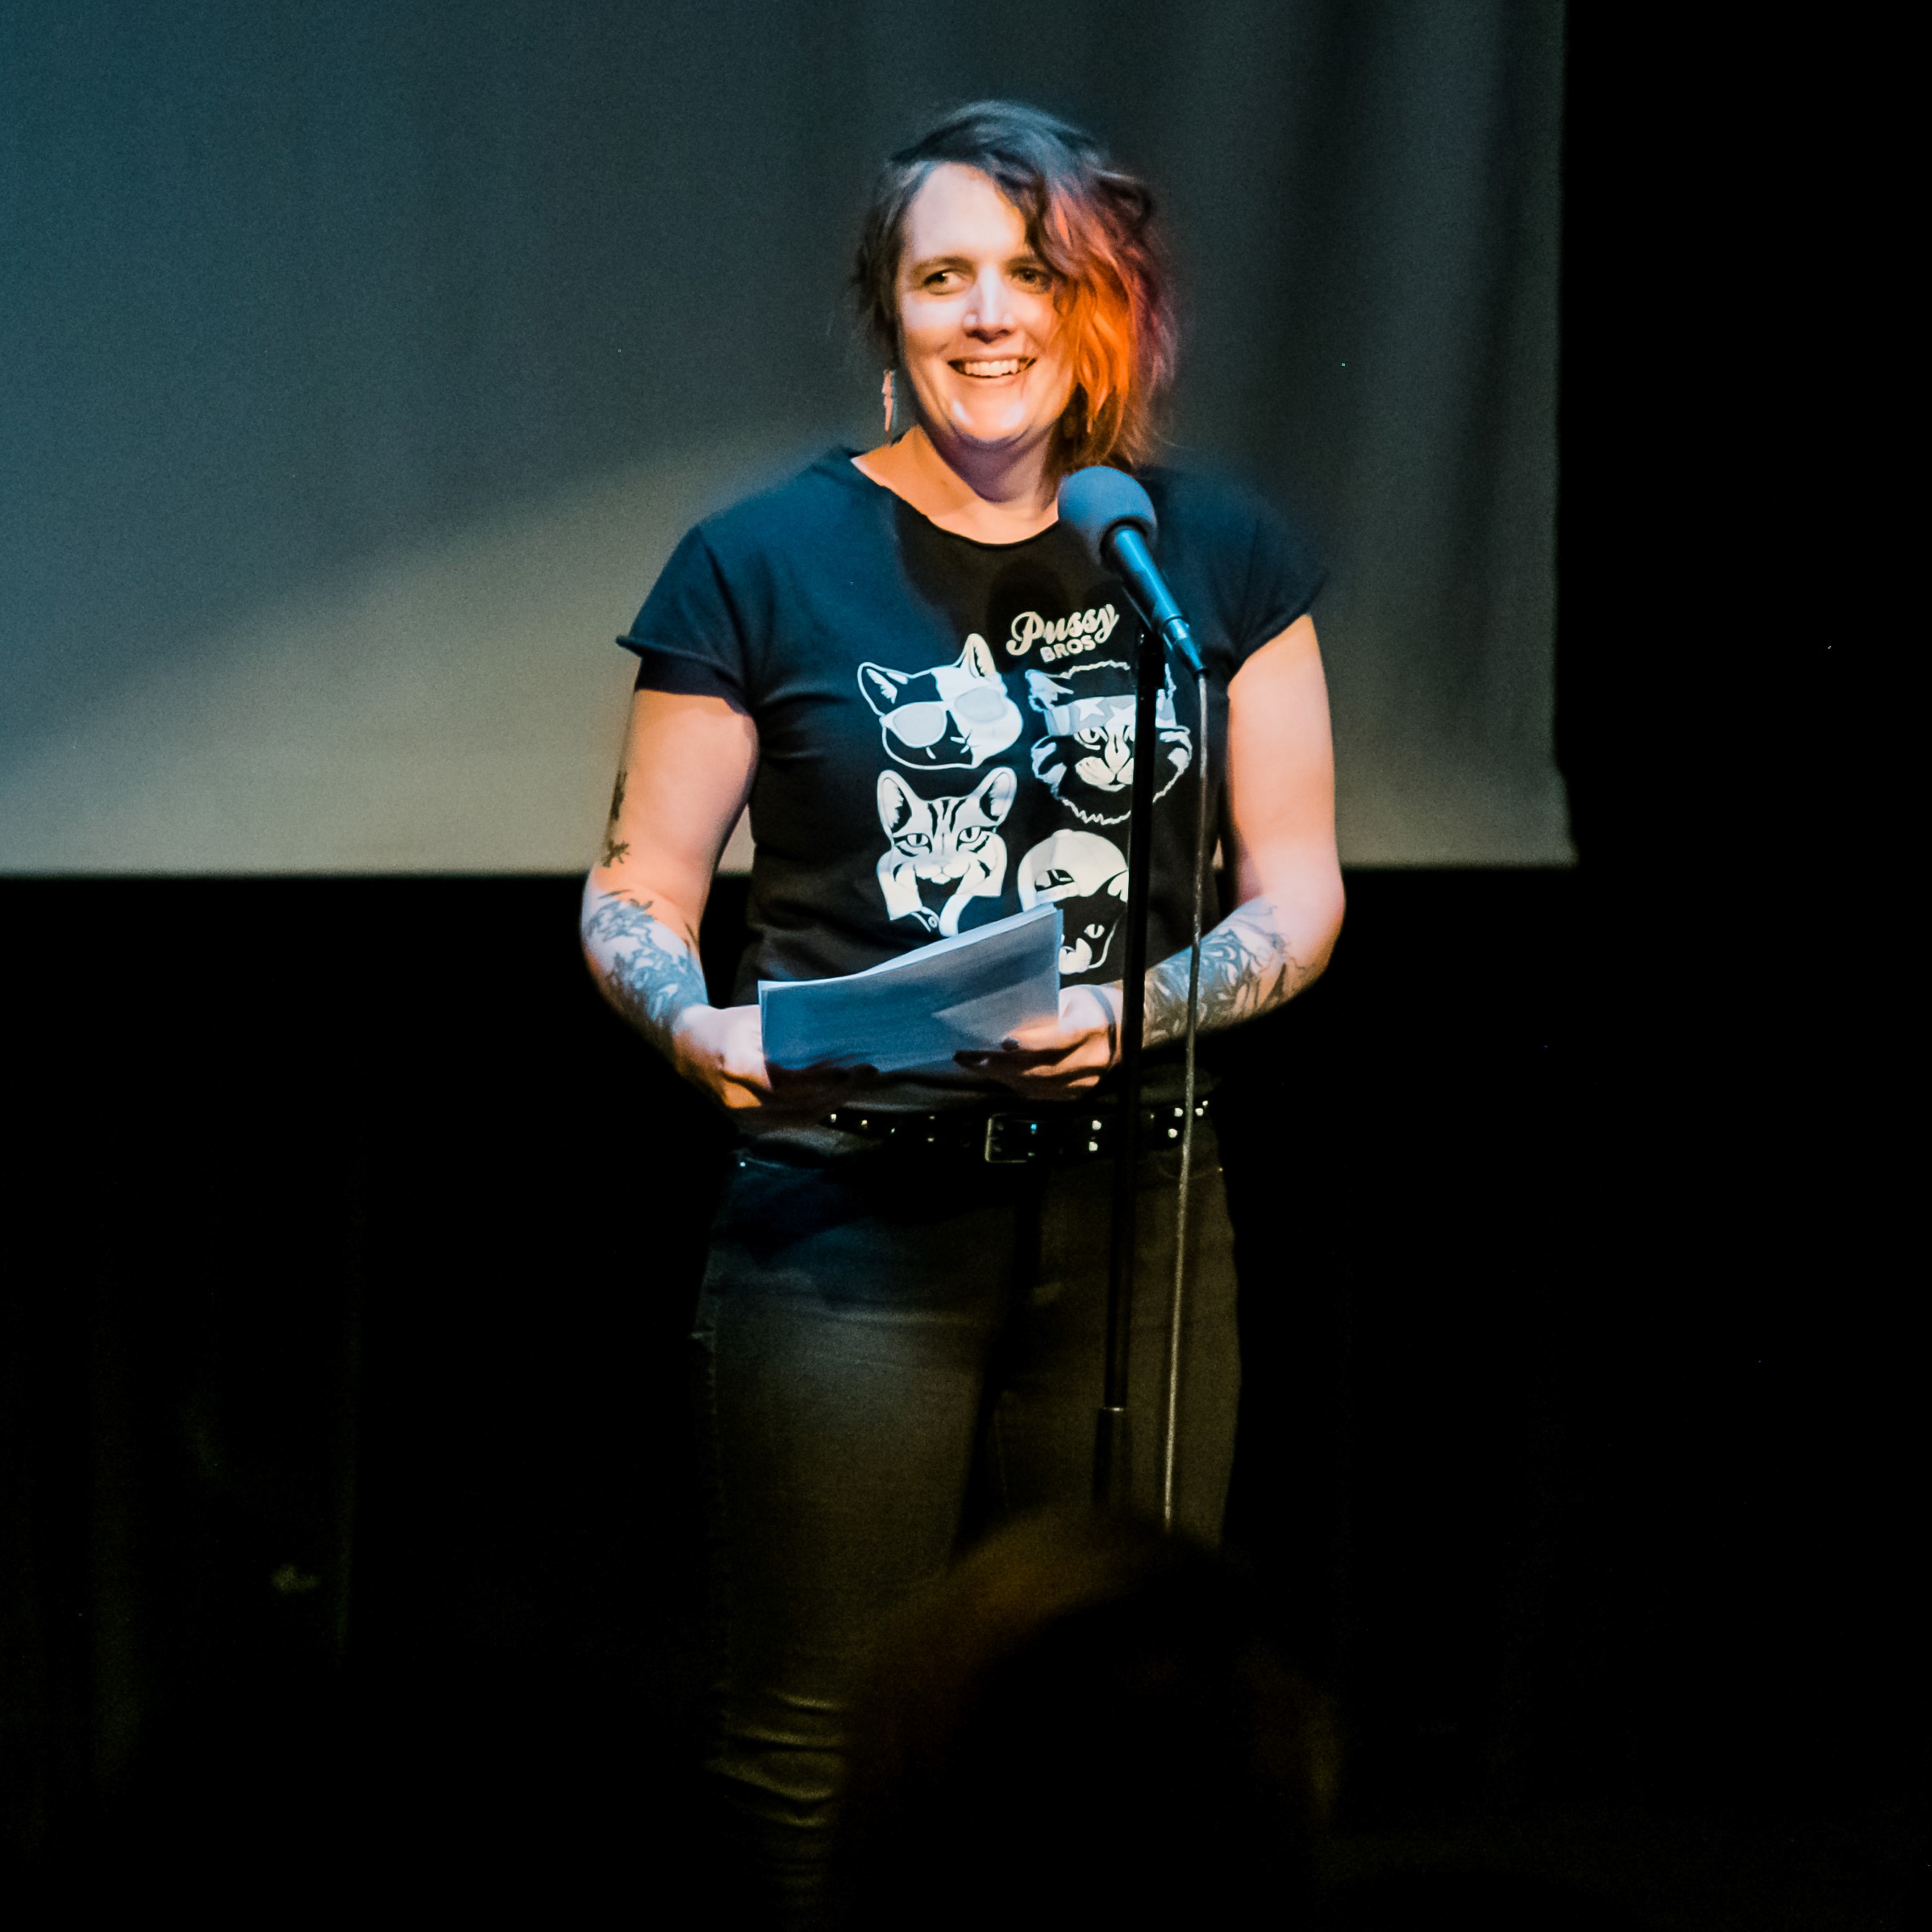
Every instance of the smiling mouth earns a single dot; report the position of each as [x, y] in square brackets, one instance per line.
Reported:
[991, 370]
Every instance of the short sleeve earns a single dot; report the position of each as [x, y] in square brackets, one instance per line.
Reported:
[688, 637]
[1285, 574]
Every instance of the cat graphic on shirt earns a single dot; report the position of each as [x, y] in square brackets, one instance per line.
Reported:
[940, 843]
[1085, 757]
[954, 717]
[1085, 876]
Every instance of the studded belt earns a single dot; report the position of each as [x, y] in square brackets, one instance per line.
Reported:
[1016, 1137]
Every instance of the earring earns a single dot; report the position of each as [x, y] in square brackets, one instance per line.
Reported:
[886, 397]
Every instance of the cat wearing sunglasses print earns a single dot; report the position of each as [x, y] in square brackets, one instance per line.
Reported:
[952, 717]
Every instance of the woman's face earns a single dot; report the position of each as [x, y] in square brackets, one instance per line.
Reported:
[979, 338]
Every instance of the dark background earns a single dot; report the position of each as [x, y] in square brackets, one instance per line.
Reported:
[346, 1519]
[343, 1527]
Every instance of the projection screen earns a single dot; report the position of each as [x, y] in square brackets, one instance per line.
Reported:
[367, 362]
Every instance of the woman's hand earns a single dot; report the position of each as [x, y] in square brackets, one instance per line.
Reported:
[721, 1051]
[1053, 1059]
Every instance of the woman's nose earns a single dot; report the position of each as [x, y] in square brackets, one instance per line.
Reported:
[989, 313]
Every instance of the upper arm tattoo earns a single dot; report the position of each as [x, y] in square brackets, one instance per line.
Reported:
[615, 848]
[1246, 968]
[659, 975]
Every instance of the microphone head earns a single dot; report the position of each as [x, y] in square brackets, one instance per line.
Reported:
[1094, 503]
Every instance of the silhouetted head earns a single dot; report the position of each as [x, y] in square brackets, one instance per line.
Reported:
[1082, 1717]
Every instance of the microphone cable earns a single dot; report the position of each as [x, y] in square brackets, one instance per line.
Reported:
[1170, 1409]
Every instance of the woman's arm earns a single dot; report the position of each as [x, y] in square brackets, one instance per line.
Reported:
[1281, 810]
[685, 773]
[682, 780]
[1288, 877]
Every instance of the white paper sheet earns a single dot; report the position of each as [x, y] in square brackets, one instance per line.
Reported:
[914, 1013]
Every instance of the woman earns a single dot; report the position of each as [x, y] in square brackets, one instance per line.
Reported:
[924, 689]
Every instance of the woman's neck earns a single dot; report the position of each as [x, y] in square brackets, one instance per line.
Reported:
[993, 496]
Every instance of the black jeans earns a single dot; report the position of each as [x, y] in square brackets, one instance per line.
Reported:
[893, 1353]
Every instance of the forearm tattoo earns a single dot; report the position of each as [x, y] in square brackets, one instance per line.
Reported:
[650, 971]
[1247, 967]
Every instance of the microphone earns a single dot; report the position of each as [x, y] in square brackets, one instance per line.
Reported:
[1113, 517]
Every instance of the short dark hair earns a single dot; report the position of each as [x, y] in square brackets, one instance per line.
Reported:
[1091, 222]
[1084, 1712]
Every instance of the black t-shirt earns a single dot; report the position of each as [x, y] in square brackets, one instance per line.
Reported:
[945, 727]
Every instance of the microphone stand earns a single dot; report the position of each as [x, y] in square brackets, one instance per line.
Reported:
[1113, 1440]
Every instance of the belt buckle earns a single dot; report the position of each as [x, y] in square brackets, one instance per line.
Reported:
[1033, 1149]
